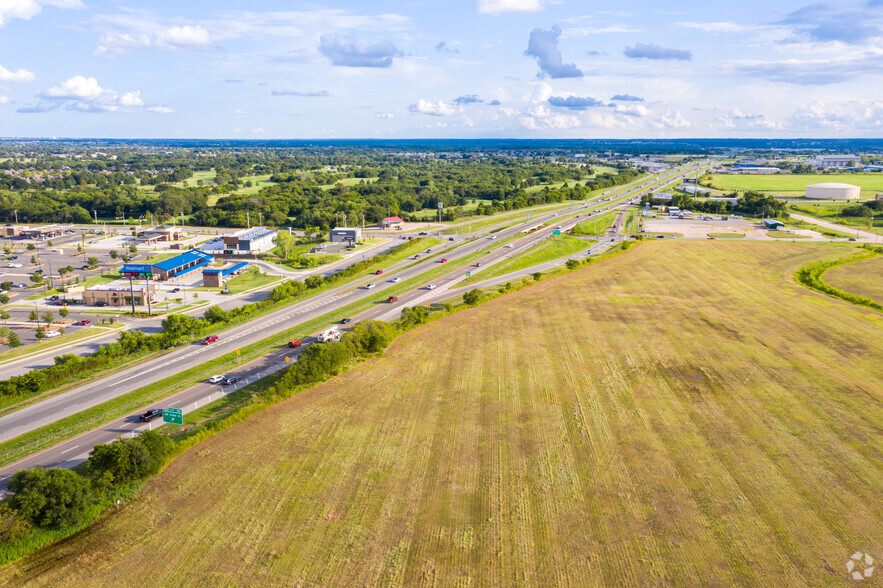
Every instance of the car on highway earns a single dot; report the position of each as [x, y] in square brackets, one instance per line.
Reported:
[230, 380]
[378, 272]
[85, 322]
[444, 260]
[396, 280]
[450, 238]
[370, 285]
[492, 237]
[417, 256]
[294, 343]
[421, 233]
[210, 339]
[429, 251]
[477, 264]
[345, 321]
[392, 299]
[510, 245]
[150, 415]
[216, 379]
[430, 286]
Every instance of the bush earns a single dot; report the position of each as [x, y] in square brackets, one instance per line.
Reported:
[472, 297]
[13, 526]
[53, 497]
[127, 460]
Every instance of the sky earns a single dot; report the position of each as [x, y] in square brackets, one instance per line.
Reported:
[440, 69]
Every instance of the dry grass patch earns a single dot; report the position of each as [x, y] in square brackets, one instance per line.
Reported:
[685, 414]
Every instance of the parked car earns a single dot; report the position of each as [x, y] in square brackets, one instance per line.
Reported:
[230, 380]
[101, 303]
[150, 415]
[175, 290]
[392, 299]
[50, 334]
[59, 303]
[378, 272]
[430, 286]
[216, 379]
[85, 322]
[210, 339]
[53, 297]
[294, 343]
[13, 257]
[396, 280]
[345, 321]
[450, 238]
[370, 285]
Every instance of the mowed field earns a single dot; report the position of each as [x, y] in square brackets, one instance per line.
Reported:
[795, 184]
[684, 414]
[863, 278]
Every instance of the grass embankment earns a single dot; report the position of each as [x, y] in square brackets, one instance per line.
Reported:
[831, 212]
[863, 278]
[68, 338]
[727, 235]
[597, 225]
[643, 437]
[555, 247]
[795, 184]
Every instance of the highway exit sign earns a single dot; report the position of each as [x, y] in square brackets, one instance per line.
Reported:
[174, 416]
[556, 232]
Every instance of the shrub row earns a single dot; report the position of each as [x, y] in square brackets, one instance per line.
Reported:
[811, 276]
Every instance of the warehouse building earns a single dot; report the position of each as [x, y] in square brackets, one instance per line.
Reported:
[215, 278]
[772, 224]
[181, 265]
[344, 235]
[250, 241]
[833, 191]
[833, 161]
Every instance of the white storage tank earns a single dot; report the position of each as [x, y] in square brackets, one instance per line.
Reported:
[833, 191]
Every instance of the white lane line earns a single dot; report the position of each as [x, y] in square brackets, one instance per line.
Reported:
[70, 449]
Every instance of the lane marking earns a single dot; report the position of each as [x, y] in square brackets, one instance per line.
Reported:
[70, 449]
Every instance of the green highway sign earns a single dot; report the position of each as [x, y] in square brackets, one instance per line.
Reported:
[556, 232]
[174, 416]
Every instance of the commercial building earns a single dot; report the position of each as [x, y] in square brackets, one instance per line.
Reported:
[758, 170]
[118, 295]
[215, 278]
[160, 233]
[833, 191]
[249, 241]
[772, 224]
[181, 265]
[392, 222]
[833, 161]
[345, 235]
[46, 232]
[13, 230]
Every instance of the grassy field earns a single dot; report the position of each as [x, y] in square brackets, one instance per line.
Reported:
[863, 278]
[831, 213]
[795, 185]
[549, 250]
[727, 235]
[249, 280]
[640, 436]
[598, 225]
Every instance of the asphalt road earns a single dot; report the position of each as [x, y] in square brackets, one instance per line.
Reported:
[76, 450]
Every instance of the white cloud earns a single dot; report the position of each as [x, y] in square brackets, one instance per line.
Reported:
[385, 115]
[671, 120]
[637, 110]
[717, 27]
[76, 87]
[738, 120]
[258, 131]
[432, 108]
[499, 6]
[160, 109]
[180, 38]
[85, 95]
[17, 76]
[4, 99]
[851, 117]
[28, 9]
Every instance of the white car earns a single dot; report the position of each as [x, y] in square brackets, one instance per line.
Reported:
[510, 245]
[50, 334]
[369, 286]
[216, 379]
[492, 237]
[430, 286]
[396, 280]
[2, 273]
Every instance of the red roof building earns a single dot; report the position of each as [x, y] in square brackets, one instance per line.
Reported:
[391, 222]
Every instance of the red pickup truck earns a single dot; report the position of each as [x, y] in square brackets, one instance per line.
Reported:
[392, 299]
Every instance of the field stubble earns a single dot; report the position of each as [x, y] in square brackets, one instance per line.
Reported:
[685, 414]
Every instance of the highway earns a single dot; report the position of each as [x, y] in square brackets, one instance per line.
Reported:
[83, 397]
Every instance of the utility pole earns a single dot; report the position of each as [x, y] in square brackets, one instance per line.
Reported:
[15, 212]
[95, 212]
[247, 219]
[132, 295]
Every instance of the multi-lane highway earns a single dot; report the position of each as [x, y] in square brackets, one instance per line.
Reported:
[83, 397]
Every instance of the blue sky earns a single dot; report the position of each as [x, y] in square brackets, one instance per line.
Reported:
[428, 68]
